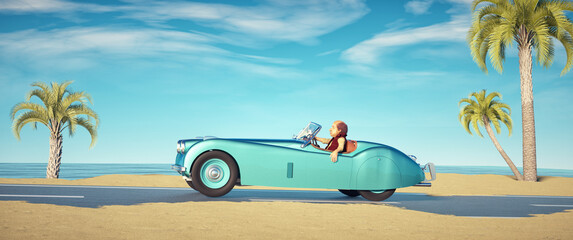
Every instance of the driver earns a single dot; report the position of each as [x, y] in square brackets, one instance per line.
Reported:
[338, 141]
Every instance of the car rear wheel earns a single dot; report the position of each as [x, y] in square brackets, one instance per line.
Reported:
[377, 195]
[350, 193]
[214, 174]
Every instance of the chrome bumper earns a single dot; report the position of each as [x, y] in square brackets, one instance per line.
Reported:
[432, 169]
[423, 184]
[179, 169]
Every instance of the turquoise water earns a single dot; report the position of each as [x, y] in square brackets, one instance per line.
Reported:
[72, 171]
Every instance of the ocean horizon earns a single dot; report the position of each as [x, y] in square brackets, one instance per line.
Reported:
[72, 171]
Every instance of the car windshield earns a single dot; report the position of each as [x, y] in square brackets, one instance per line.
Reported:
[307, 133]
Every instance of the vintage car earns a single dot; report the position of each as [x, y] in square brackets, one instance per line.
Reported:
[213, 166]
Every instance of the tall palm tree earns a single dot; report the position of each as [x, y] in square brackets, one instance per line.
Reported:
[484, 111]
[61, 109]
[532, 24]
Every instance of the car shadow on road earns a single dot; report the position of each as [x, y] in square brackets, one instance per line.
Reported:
[471, 206]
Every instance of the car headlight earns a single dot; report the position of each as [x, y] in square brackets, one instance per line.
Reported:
[180, 147]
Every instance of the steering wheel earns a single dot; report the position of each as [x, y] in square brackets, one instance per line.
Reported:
[309, 139]
[315, 144]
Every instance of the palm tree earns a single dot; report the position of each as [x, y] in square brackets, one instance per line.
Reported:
[62, 109]
[532, 24]
[485, 110]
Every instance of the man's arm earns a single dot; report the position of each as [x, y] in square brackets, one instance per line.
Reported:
[322, 140]
[334, 154]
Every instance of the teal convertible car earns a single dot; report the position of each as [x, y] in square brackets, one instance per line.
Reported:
[213, 166]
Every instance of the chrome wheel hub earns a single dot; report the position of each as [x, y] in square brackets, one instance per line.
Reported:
[214, 173]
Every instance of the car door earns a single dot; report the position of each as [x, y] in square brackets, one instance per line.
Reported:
[318, 171]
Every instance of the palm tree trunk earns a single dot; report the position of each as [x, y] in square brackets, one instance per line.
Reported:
[53, 170]
[527, 120]
[503, 154]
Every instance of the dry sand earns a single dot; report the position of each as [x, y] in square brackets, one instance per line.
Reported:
[282, 220]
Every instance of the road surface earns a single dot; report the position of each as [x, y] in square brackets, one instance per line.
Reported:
[469, 206]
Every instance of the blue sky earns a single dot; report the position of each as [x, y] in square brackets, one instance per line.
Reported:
[159, 71]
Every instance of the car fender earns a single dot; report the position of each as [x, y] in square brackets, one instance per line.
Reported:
[385, 167]
[378, 173]
[199, 148]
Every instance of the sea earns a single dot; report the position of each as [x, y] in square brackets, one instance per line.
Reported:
[71, 171]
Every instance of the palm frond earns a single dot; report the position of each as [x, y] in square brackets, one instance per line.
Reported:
[61, 89]
[38, 93]
[567, 43]
[42, 93]
[80, 109]
[465, 100]
[466, 123]
[25, 118]
[542, 43]
[491, 11]
[499, 3]
[476, 121]
[490, 97]
[479, 38]
[27, 106]
[91, 128]
[491, 115]
[508, 123]
[561, 28]
[500, 37]
[72, 97]
[41, 85]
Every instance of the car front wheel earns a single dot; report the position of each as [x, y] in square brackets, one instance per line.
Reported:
[376, 195]
[214, 174]
[190, 183]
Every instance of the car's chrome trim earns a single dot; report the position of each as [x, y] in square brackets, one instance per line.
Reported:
[205, 137]
[423, 184]
[432, 169]
[188, 179]
[178, 168]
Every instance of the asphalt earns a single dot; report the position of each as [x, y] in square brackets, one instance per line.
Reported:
[467, 206]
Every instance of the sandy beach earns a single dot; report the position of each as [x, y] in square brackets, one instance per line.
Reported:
[283, 220]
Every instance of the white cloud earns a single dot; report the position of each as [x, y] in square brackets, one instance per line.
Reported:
[328, 52]
[49, 6]
[84, 47]
[102, 40]
[368, 52]
[280, 61]
[418, 7]
[76, 49]
[268, 21]
[297, 21]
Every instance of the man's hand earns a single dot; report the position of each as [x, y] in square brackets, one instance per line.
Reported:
[334, 156]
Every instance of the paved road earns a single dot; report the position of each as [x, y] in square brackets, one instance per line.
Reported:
[471, 206]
